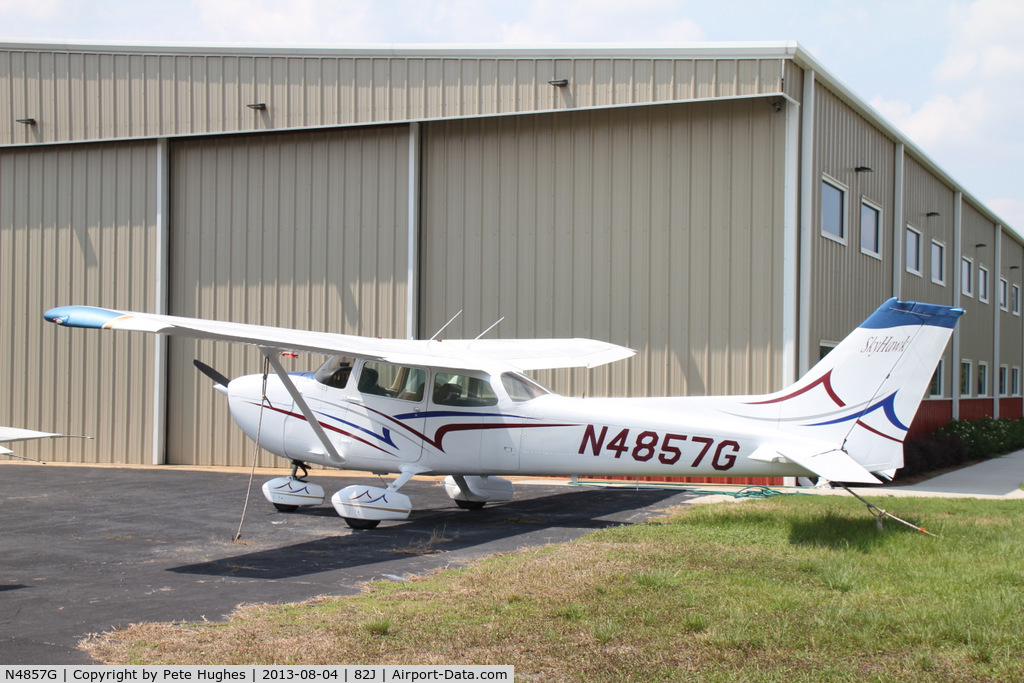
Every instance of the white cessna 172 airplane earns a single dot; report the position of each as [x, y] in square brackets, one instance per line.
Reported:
[464, 408]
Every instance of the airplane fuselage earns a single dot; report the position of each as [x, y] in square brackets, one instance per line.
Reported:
[545, 434]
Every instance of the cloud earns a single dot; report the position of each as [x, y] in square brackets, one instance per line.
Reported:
[451, 21]
[988, 41]
[970, 123]
[263, 20]
[602, 21]
[1010, 210]
[35, 10]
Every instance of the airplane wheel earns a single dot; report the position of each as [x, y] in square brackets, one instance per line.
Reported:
[470, 504]
[285, 508]
[357, 523]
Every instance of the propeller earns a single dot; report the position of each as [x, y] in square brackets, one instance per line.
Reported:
[217, 377]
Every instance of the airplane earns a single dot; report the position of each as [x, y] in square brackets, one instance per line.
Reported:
[467, 410]
[11, 434]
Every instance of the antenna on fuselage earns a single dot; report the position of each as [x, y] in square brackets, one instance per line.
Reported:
[433, 338]
[490, 328]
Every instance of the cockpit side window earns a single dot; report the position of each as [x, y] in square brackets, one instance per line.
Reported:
[393, 381]
[521, 388]
[335, 372]
[462, 390]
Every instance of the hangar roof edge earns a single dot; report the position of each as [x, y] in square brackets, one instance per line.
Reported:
[526, 51]
[788, 50]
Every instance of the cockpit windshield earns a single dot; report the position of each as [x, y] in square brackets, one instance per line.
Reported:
[335, 372]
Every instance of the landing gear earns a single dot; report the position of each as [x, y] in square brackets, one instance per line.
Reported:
[289, 493]
[472, 493]
[356, 523]
[364, 507]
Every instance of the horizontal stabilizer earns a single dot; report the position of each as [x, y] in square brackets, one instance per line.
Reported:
[834, 466]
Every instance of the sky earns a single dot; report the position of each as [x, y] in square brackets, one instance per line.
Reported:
[948, 73]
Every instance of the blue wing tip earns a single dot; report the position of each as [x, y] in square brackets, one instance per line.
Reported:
[80, 316]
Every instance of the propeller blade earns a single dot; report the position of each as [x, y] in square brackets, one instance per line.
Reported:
[217, 377]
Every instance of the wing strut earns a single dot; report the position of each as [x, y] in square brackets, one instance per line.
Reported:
[271, 355]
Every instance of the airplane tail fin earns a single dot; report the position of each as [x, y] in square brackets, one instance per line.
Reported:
[862, 397]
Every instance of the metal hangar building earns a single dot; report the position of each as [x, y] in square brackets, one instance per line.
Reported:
[730, 211]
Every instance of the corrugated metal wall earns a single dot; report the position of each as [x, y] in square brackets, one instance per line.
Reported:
[77, 227]
[303, 230]
[84, 94]
[1011, 332]
[929, 209]
[924, 194]
[977, 346]
[659, 228]
[848, 284]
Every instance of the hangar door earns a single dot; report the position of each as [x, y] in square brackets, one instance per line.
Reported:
[659, 228]
[303, 230]
[77, 226]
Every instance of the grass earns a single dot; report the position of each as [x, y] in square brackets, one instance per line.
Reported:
[786, 589]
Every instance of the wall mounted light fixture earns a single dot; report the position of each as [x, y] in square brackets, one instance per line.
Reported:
[259, 106]
[864, 169]
[559, 83]
[27, 122]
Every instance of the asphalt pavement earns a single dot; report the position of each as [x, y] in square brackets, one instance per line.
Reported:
[88, 549]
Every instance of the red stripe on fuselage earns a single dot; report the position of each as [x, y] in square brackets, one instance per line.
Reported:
[445, 429]
[875, 431]
[350, 435]
[825, 381]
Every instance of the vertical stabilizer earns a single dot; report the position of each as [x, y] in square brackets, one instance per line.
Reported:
[862, 397]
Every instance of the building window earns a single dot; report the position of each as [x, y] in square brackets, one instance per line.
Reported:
[870, 229]
[965, 378]
[1015, 299]
[982, 378]
[913, 251]
[833, 211]
[935, 388]
[966, 276]
[938, 263]
[1004, 294]
[1004, 372]
[1014, 381]
[982, 284]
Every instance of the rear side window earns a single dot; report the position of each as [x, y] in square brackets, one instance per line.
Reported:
[451, 389]
[520, 388]
[393, 381]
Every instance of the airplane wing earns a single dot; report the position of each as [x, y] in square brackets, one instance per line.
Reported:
[462, 354]
[8, 434]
